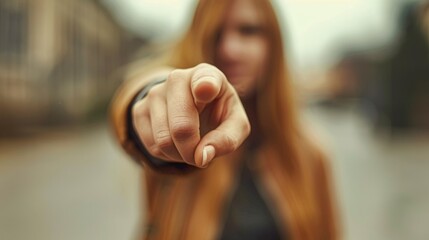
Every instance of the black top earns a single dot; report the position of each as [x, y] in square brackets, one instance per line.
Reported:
[248, 216]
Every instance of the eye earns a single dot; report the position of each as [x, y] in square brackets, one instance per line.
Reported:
[249, 30]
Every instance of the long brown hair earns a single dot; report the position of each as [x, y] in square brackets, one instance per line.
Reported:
[276, 109]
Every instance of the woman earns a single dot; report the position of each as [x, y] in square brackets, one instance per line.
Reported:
[206, 176]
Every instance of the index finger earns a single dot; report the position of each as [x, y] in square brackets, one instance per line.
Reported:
[182, 114]
[206, 84]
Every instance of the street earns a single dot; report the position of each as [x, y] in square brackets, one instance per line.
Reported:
[76, 183]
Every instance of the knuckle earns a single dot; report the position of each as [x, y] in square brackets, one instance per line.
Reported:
[204, 69]
[231, 142]
[154, 151]
[139, 109]
[204, 65]
[183, 128]
[152, 94]
[164, 140]
[176, 75]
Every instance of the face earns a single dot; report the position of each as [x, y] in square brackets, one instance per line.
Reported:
[242, 47]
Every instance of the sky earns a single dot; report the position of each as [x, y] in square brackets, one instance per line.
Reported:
[316, 29]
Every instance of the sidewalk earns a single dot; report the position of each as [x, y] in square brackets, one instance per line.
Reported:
[382, 182]
[77, 184]
[69, 184]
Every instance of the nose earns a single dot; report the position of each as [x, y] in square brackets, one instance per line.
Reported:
[229, 47]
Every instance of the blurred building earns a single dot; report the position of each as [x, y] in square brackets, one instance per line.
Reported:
[392, 81]
[59, 61]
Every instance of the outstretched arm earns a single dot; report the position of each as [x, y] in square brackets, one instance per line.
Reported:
[192, 117]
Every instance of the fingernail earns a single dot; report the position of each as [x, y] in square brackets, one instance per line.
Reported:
[208, 154]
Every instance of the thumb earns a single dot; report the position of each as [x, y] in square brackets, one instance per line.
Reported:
[225, 138]
[206, 84]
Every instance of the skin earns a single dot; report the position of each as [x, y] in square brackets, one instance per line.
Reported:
[197, 113]
[242, 48]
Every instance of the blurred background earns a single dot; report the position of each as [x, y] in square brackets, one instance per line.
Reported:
[362, 67]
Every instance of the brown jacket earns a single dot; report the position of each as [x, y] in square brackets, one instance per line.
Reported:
[191, 206]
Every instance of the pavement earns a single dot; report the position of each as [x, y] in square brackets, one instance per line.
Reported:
[72, 183]
[76, 183]
[381, 179]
